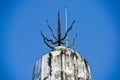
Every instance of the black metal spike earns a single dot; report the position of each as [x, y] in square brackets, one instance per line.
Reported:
[51, 30]
[59, 29]
[59, 39]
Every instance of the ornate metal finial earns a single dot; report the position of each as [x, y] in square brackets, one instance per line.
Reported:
[59, 39]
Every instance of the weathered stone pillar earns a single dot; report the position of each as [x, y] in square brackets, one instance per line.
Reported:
[62, 64]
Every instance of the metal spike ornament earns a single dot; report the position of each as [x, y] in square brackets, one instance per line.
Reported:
[59, 39]
[62, 63]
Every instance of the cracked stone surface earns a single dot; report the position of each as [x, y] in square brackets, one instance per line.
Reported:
[61, 64]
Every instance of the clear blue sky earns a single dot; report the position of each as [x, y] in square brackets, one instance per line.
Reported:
[97, 25]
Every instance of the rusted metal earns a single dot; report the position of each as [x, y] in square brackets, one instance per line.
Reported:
[59, 41]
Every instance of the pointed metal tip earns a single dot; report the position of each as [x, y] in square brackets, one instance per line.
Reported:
[59, 13]
[46, 20]
[73, 21]
[41, 32]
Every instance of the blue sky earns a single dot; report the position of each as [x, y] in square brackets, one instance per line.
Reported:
[97, 24]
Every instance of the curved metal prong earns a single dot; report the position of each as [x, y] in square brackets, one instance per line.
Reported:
[51, 29]
[48, 44]
[68, 30]
[44, 38]
[49, 40]
[65, 40]
[73, 42]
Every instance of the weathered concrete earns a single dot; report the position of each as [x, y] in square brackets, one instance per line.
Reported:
[62, 64]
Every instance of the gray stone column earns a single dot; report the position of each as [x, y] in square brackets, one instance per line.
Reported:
[61, 64]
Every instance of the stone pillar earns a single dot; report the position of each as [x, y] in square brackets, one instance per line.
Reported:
[61, 64]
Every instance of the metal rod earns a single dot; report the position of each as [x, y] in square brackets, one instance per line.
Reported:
[59, 30]
[66, 23]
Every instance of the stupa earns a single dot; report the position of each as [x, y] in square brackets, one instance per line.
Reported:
[61, 63]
